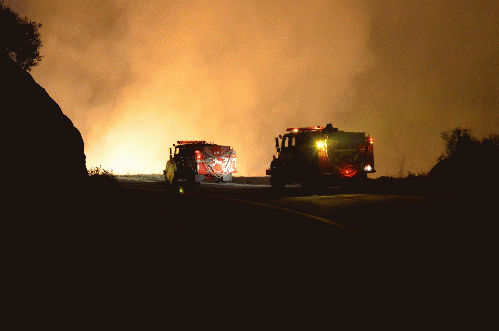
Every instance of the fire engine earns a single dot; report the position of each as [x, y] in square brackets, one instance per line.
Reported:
[313, 156]
[197, 161]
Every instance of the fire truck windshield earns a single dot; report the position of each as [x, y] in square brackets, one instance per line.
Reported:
[186, 149]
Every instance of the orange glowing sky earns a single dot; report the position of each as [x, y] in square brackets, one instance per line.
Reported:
[135, 76]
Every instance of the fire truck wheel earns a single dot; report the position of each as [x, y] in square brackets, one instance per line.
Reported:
[355, 185]
[190, 182]
[312, 184]
[311, 180]
[277, 182]
[277, 177]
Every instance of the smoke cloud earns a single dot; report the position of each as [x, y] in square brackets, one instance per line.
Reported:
[436, 67]
[134, 77]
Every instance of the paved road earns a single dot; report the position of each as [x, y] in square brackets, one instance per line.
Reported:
[257, 224]
[372, 214]
[255, 253]
[396, 217]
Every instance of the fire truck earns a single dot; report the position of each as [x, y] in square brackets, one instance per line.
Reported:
[317, 156]
[193, 162]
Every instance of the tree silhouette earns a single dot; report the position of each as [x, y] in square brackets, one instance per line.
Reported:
[459, 144]
[20, 38]
[467, 164]
[490, 149]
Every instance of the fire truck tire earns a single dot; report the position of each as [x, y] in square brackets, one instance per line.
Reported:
[277, 177]
[277, 181]
[310, 179]
[313, 183]
[190, 182]
[355, 185]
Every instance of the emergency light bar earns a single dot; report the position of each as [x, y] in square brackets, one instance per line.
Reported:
[184, 142]
[311, 128]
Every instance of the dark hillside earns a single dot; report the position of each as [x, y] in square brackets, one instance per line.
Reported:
[42, 141]
[73, 242]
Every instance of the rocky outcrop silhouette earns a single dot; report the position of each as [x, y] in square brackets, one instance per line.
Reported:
[44, 151]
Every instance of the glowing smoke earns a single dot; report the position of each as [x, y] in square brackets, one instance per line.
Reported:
[135, 77]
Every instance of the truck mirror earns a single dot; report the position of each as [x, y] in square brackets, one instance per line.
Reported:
[276, 142]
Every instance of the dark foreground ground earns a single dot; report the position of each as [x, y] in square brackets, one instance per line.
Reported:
[423, 250]
[138, 256]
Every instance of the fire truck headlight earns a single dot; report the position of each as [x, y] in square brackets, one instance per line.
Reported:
[368, 168]
[320, 144]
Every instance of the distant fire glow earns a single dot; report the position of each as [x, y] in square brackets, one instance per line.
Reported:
[135, 77]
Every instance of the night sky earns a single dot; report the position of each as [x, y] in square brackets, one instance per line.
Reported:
[135, 76]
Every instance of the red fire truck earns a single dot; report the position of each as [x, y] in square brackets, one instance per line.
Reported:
[197, 161]
[314, 156]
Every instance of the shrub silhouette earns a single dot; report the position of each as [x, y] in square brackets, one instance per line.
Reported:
[102, 180]
[101, 173]
[467, 163]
